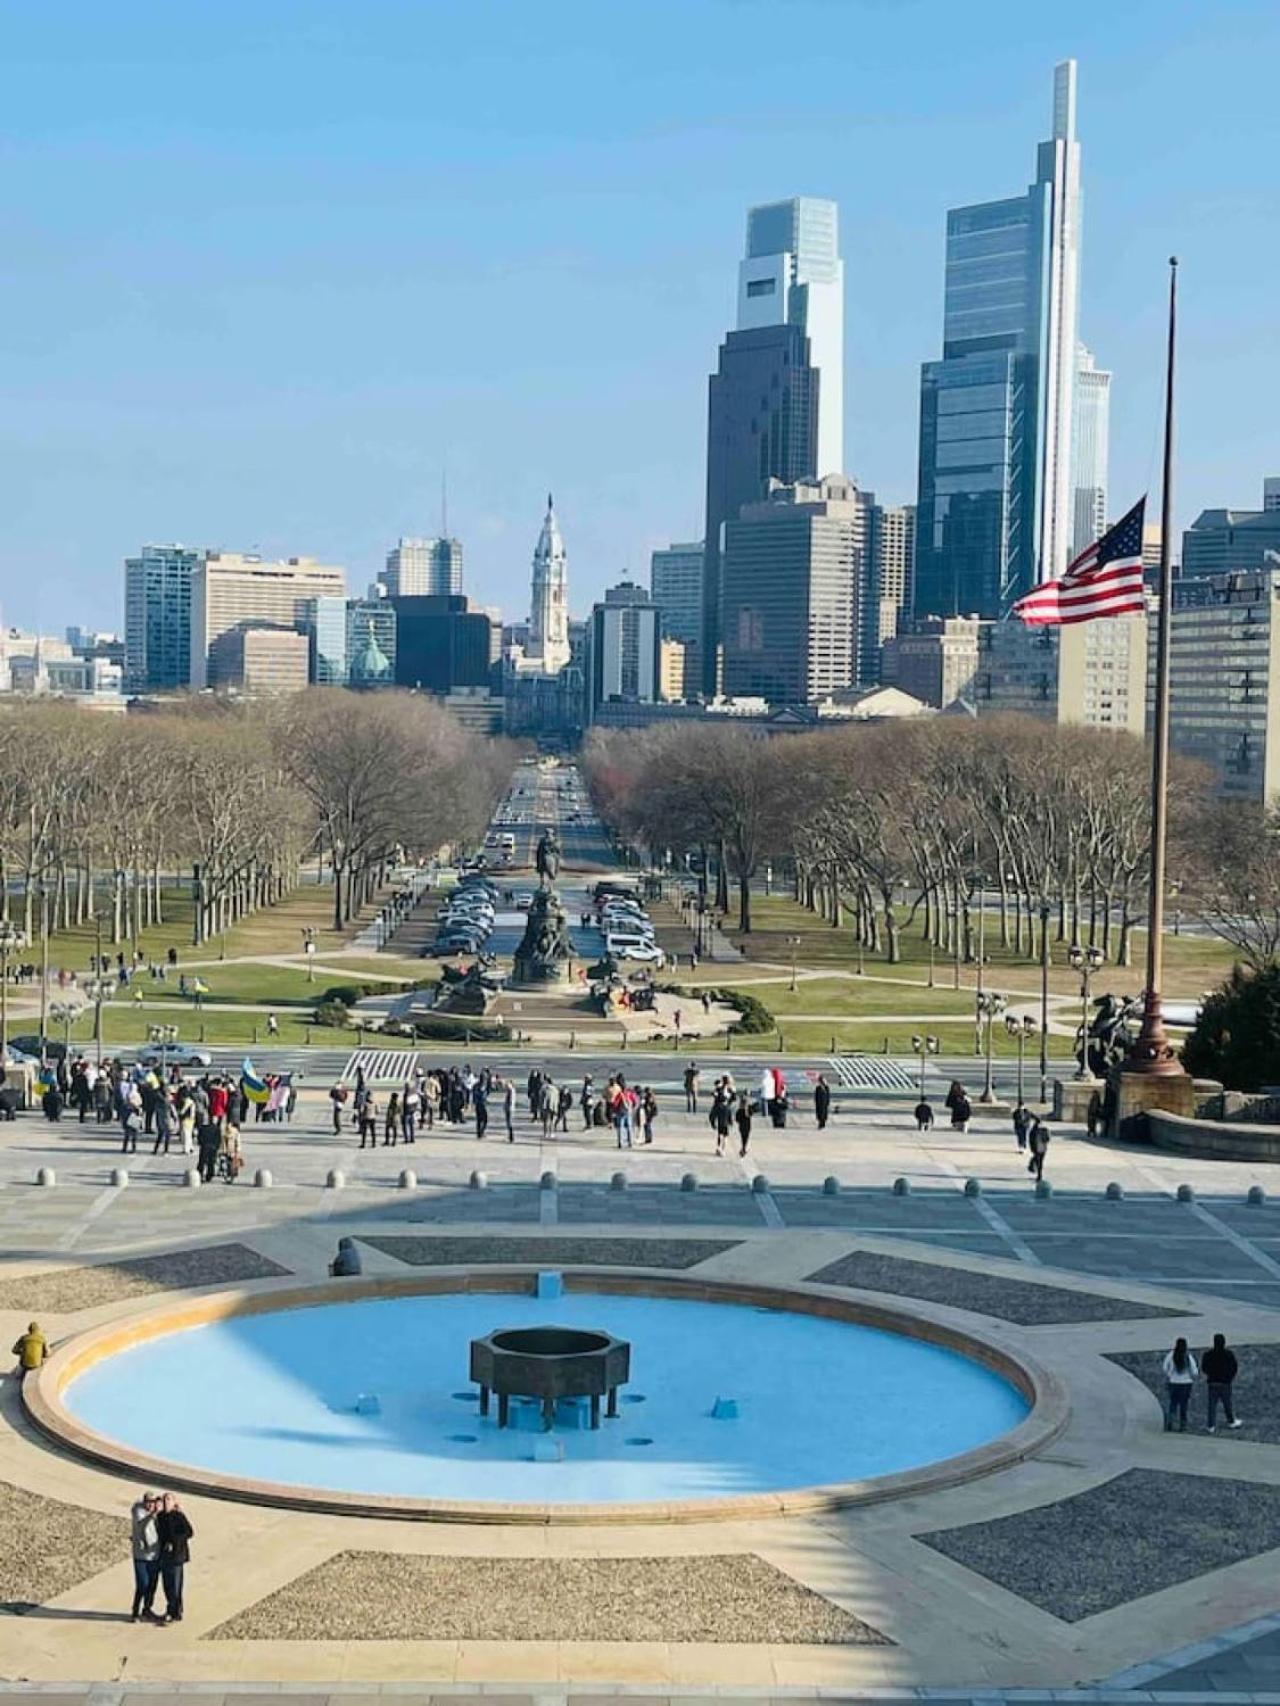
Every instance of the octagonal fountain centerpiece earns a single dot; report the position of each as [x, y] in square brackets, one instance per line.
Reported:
[551, 1364]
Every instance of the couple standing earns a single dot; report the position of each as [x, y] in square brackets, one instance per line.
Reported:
[161, 1539]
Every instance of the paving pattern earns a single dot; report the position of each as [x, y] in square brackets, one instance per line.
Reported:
[1256, 1394]
[1028, 1302]
[47, 1547]
[371, 1596]
[552, 1252]
[1144, 1531]
[61, 1291]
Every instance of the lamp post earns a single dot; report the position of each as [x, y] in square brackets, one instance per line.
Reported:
[12, 941]
[1086, 961]
[97, 988]
[309, 948]
[65, 1013]
[1045, 909]
[982, 960]
[44, 963]
[953, 918]
[165, 1036]
[1020, 1030]
[990, 1006]
[923, 1047]
[793, 943]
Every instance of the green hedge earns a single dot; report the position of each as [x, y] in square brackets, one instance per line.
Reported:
[334, 1014]
[1237, 1036]
[443, 1028]
[349, 993]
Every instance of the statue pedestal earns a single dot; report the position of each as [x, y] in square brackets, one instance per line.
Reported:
[539, 974]
[1139, 1092]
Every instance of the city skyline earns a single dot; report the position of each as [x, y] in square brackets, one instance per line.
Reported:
[107, 450]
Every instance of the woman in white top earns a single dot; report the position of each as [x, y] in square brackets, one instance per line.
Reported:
[1180, 1373]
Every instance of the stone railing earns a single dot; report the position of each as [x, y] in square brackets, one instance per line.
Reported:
[1220, 1140]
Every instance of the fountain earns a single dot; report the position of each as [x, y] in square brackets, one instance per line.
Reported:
[550, 1364]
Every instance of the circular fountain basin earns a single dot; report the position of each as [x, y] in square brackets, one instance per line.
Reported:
[363, 1403]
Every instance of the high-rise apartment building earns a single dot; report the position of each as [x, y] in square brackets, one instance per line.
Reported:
[675, 581]
[1093, 674]
[995, 509]
[775, 404]
[624, 649]
[1090, 452]
[794, 567]
[935, 659]
[549, 608]
[325, 624]
[229, 589]
[888, 590]
[157, 617]
[257, 658]
[424, 568]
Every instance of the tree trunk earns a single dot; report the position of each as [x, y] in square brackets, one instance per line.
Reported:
[744, 904]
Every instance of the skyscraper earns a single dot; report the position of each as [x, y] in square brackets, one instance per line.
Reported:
[229, 589]
[549, 610]
[623, 649]
[995, 506]
[775, 403]
[888, 588]
[157, 617]
[675, 580]
[422, 568]
[1089, 452]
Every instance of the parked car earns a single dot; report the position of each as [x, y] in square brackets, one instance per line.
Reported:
[634, 948]
[523, 899]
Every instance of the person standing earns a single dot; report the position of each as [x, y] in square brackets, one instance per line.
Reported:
[368, 1120]
[175, 1534]
[822, 1102]
[588, 1100]
[410, 1102]
[480, 1106]
[648, 1112]
[509, 1106]
[208, 1143]
[131, 1123]
[1038, 1143]
[1179, 1377]
[961, 1110]
[743, 1117]
[145, 1546]
[691, 1076]
[722, 1101]
[1220, 1369]
[337, 1101]
[563, 1105]
[391, 1123]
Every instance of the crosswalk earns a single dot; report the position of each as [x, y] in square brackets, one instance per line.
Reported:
[381, 1065]
[872, 1072]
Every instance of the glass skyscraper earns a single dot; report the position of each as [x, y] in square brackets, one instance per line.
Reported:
[995, 509]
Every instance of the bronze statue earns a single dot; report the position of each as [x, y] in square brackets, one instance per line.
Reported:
[547, 857]
[545, 950]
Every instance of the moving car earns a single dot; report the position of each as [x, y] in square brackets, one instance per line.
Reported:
[174, 1054]
[634, 947]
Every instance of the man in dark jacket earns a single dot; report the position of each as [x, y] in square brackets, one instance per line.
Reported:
[1219, 1367]
[822, 1102]
[174, 1533]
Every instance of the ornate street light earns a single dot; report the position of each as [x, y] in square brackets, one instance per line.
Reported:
[165, 1036]
[1086, 961]
[65, 1013]
[12, 941]
[990, 1006]
[97, 988]
[924, 1047]
[1020, 1030]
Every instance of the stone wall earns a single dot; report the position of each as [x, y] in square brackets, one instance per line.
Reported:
[1215, 1139]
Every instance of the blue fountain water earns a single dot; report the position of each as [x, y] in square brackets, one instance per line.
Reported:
[274, 1397]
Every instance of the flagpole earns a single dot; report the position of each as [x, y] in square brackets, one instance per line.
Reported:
[1151, 1054]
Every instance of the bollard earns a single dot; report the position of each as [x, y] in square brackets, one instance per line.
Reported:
[1255, 1195]
[973, 1187]
[408, 1180]
[1114, 1191]
[47, 1177]
[618, 1182]
[1186, 1193]
[262, 1179]
[831, 1186]
[759, 1184]
[191, 1179]
[119, 1178]
[335, 1180]
[478, 1181]
[573, 1039]
[833, 1042]
[548, 1181]
[1043, 1188]
[689, 1182]
[255, 1033]
[728, 1039]
[902, 1187]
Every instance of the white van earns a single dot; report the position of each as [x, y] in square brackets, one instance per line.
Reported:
[631, 947]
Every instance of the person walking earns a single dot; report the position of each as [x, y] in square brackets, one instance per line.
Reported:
[743, 1118]
[648, 1112]
[564, 1103]
[822, 1102]
[923, 1116]
[175, 1534]
[410, 1102]
[391, 1121]
[480, 1106]
[273, 1025]
[722, 1100]
[166, 1122]
[144, 1543]
[509, 1107]
[1021, 1124]
[587, 1100]
[337, 1101]
[961, 1110]
[1220, 1369]
[209, 1142]
[1179, 1377]
[691, 1076]
[1038, 1143]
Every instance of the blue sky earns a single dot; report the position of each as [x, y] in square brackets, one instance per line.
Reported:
[269, 266]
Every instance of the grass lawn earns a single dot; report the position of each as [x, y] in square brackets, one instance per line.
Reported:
[222, 1030]
[1192, 963]
[869, 1037]
[282, 985]
[856, 997]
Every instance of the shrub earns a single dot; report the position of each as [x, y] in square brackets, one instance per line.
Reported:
[332, 1013]
[756, 1019]
[1236, 1039]
[441, 1028]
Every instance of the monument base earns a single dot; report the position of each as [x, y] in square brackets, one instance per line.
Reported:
[1137, 1093]
[540, 976]
[1071, 1098]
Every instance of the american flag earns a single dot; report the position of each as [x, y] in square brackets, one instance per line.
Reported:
[1104, 580]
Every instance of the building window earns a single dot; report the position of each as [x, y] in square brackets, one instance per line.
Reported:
[760, 287]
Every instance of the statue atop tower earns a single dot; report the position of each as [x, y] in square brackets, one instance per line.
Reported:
[549, 615]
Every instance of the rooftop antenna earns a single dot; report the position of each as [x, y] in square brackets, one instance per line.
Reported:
[444, 502]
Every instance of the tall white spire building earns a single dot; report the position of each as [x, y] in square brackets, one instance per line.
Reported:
[548, 645]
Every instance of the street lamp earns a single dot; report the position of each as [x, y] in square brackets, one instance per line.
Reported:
[1020, 1030]
[924, 1047]
[65, 1013]
[165, 1036]
[953, 919]
[990, 1006]
[97, 989]
[1045, 909]
[1086, 961]
[309, 948]
[12, 941]
[793, 942]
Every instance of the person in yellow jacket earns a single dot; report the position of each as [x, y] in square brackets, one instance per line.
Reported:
[30, 1348]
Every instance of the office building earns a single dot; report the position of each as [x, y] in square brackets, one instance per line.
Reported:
[888, 588]
[325, 624]
[673, 660]
[371, 643]
[776, 401]
[1271, 492]
[624, 641]
[256, 658]
[675, 580]
[1226, 541]
[1224, 678]
[548, 648]
[157, 617]
[995, 509]
[934, 658]
[794, 564]
[1092, 675]
[230, 590]
[419, 568]
[1090, 452]
[442, 644]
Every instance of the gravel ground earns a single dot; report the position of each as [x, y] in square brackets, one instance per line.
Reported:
[1144, 1531]
[63, 1291]
[379, 1596]
[1026, 1302]
[1256, 1393]
[46, 1548]
[563, 1252]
